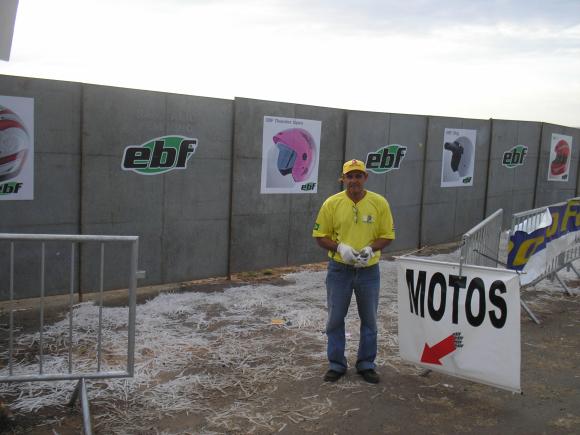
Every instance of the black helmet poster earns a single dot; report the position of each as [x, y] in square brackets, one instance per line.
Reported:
[458, 157]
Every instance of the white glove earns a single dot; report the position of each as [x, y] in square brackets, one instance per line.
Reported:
[348, 254]
[364, 256]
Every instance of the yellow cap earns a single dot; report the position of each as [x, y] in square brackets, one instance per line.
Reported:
[353, 165]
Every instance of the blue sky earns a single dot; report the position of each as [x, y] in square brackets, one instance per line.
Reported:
[474, 59]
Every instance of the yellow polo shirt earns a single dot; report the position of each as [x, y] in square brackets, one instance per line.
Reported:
[358, 225]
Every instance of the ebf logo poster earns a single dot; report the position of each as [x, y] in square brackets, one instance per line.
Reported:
[560, 155]
[290, 153]
[458, 157]
[16, 148]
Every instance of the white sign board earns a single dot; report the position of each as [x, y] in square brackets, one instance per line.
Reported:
[16, 148]
[458, 157]
[290, 152]
[466, 326]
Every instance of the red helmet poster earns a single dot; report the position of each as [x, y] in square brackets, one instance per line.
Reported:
[16, 148]
[560, 155]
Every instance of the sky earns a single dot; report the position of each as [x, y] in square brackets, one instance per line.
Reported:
[499, 59]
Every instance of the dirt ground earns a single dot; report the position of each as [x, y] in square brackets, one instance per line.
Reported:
[405, 401]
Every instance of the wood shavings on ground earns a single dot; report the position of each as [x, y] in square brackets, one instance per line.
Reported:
[212, 355]
[216, 355]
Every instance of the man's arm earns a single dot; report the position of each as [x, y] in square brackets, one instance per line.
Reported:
[326, 243]
[380, 244]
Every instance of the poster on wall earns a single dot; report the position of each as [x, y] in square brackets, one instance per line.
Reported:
[290, 152]
[458, 157]
[16, 148]
[560, 154]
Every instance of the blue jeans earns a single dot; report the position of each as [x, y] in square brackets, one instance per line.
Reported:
[341, 280]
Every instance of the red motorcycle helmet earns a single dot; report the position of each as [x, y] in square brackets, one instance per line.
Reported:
[560, 162]
[14, 143]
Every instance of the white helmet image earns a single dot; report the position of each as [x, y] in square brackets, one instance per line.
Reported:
[462, 150]
[14, 143]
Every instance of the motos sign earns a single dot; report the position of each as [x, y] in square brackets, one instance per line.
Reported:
[159, 155]
[478, 302]
[464, 325]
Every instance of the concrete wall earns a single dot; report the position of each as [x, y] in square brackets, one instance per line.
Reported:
[449, 212]
[550, 192]
[275, 229]
[367, 132]
[211, 218]
[57, 172]
[512, 188]
[181, 216]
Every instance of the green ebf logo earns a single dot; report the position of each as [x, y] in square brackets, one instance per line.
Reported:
[159, 155]
[386, 159]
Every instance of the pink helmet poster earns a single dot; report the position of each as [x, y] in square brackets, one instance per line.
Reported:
[290, 152]
[16, 148]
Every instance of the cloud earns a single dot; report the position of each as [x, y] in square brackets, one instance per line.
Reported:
[457, 58]
[424, 16]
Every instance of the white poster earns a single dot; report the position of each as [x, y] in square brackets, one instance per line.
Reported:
[16, 148]
[466, 326]
[458, 157]
[290, 151]
[560, 155]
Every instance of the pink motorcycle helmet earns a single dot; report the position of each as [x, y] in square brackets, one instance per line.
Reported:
[296, 153]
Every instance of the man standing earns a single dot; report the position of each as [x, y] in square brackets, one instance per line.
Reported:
[354, 226]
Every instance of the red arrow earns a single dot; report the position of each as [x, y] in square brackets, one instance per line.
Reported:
[432, 355]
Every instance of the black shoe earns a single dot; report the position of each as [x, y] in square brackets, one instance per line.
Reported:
[370, 376]
[332, 376]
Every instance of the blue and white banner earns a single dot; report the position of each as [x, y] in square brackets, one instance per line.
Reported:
[533, 247]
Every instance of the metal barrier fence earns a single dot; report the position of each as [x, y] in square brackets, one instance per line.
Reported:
[70, 374]
[480, 245]
[531, 220]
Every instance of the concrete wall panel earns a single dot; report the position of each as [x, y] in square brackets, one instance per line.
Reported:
[27, 263]
[55, 207]
[114, 201]
[260, 241]
[172, 212]
[550, 192]
[197, 200]
[368, 132]
[512, 189]
[275, 229]
[450, 212]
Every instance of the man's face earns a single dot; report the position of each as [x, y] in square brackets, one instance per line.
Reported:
[354, 181]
